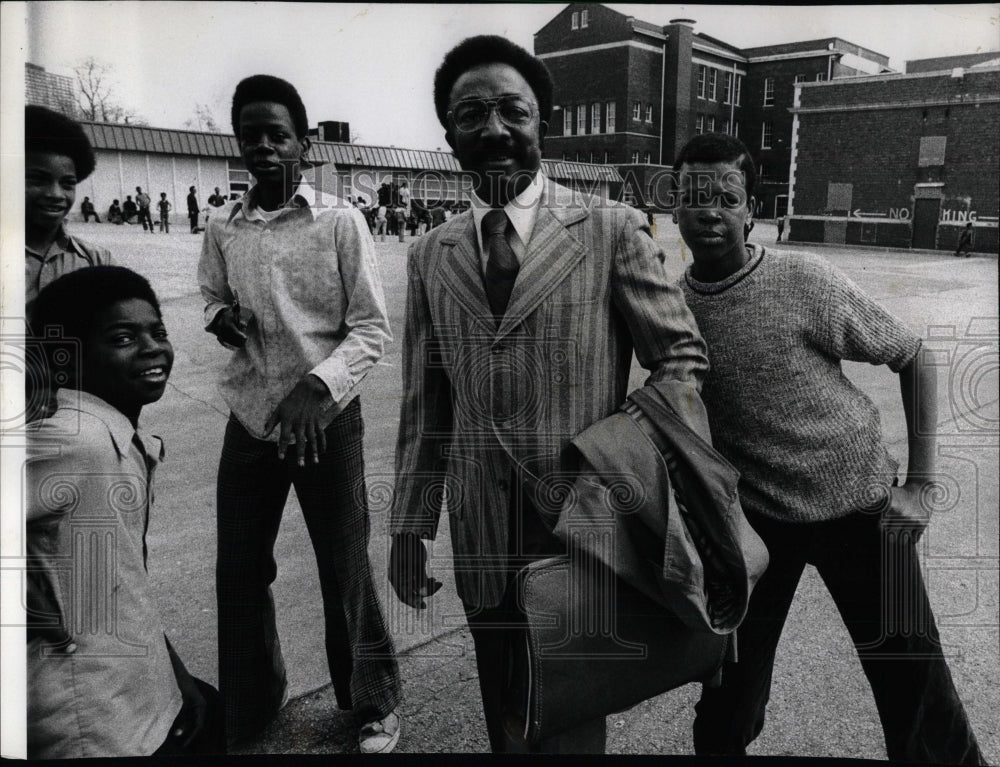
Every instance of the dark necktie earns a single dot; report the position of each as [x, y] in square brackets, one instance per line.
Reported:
[502, 265]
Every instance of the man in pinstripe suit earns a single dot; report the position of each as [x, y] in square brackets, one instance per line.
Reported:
[522, 316]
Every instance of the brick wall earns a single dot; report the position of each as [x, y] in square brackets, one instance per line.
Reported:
[878, 150]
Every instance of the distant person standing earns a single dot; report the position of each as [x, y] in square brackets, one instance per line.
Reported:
[143, 201]
[404, 196]
[781, 227]
[964, 241]
[164, 207]
[401, 222]
[87, 209]
[380, 221]
[193, 210]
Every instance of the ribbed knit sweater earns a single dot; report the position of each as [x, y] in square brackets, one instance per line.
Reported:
[806, 441]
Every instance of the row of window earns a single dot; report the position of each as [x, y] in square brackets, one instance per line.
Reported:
[595, 118]
[708, 81]
[769, 86]
[608, 157]
[707, 124]
[579, 20]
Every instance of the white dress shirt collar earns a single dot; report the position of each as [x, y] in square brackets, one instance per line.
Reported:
[522, 212]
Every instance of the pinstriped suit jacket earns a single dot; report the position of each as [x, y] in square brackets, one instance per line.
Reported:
[481, 400]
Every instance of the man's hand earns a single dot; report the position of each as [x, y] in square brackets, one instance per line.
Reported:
[299, 415]
[907, 513]
[230, 331]
[408, 570]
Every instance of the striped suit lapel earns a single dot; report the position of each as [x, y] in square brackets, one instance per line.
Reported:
[553, 254]
[461, 272]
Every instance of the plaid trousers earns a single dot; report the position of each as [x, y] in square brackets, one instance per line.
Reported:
[253, 486]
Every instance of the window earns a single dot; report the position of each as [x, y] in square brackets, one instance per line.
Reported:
[609, 117]
[820, 77]
[713, 78]
[574, 21]
[568, 121]
[702, 77]
[765, 135]
[608, 158]
[768, 91]
[800, 78]
[567, 156]
[635, 158]
[649, 113]
[595, 118]
[577, 157]
[636, 110]
[593, 157]
[727, 88]
[710, 125]
[581, 119]
[699, 124]
[762, 173]
[739, 90]
[584, 19]
[647, 158]
[736, 128]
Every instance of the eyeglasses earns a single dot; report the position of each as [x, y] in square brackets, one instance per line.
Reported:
[473, 114]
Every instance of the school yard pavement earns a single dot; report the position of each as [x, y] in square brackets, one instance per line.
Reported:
[820, 703]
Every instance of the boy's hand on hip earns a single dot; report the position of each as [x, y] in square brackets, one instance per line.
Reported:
[908, 511]
[299, 415]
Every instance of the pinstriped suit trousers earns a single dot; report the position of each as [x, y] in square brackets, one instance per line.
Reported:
[253, 486]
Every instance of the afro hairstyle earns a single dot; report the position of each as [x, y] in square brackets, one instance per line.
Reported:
[491, 49]
[256, 88]
[50, 132]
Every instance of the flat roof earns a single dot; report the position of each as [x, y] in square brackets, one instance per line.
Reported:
[141, 138]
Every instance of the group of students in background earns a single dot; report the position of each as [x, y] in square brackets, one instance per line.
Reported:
[137, 211]
[292, 288]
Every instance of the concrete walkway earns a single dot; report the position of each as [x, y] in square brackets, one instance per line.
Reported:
[820, 706]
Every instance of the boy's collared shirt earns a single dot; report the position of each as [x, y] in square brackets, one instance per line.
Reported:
[66, 254]
[89, 493]
[309, 288]
[522, 212]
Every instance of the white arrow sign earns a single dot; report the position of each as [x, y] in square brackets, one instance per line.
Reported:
[858, 213]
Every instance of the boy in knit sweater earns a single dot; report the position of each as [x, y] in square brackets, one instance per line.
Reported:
[817, 483]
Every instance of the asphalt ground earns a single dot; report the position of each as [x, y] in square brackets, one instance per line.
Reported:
[820, 706]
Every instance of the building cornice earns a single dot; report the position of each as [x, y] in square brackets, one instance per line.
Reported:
[721, 52]
[813, 54]
[972, 101]
[602, 47]
[967, 71]
[717, 65]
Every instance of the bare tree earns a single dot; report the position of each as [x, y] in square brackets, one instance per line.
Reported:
[95, 85]
[203, 119]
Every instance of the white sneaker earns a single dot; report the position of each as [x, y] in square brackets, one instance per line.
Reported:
[380, 736]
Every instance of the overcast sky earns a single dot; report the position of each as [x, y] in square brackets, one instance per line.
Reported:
[373, 64]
